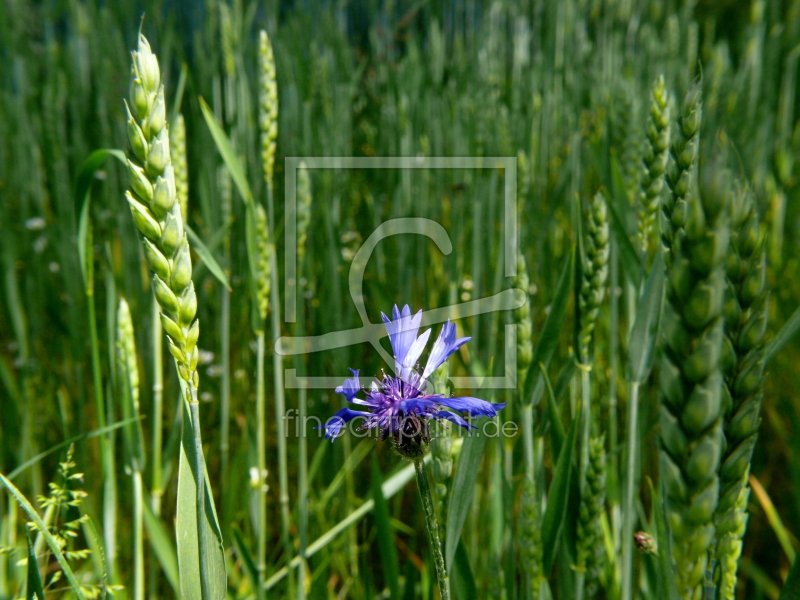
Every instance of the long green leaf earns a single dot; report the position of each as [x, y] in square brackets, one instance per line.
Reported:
[48, 537]
[666, 576]
[228, 155]
[83, 199]
[643, 336]
[191, 561]
[787, 332]
[462, 578]
[78, 438]
[248, 564]
[35, 590]
[386, 543]
[553, 520]
[627, 252]
[791, 587]
[161, 542]
[548, 339]
[556, 426]
[463, 491]
[206, 256]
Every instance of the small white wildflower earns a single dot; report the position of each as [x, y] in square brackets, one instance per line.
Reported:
[206, 397]
[214, 371]
[467, 284]
[54, 267]
[204, 357]
[40, 244]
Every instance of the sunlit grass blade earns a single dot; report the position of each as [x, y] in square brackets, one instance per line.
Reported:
[48, 537]
[463, 491]
[163, 548]
[35, 591]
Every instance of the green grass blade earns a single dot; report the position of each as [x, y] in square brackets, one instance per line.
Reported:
[666, 576]
[386, 543]
[462, 579]
[791, 587]
[161, 542]
[556, 426]
[462, 492]
[83, 199]
[66, 443]
[228, 155]
[191, 562]
[791, 327]
[548, 339]
[557, 497]
[35, 590]
[248, 564]
[206, 256]
[48, 537]
[627, 252]
[643, 336]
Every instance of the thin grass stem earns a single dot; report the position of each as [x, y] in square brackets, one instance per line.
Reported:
[261, 449]
[628, 508]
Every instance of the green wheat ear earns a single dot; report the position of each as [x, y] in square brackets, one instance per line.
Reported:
[595, 273]
[522, 317]
[153, 202]
[691, 386]
[128, 382]
[264, 266]
[745, 314]
[177, 139]
[268, 99]
[654, 161]
[530, 536]
[682, 168]
[590, 547]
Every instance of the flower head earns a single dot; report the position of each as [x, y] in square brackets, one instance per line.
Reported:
[398, 405]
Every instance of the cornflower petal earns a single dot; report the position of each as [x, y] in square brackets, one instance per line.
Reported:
[453, 418]
[402, 332]
[334, 425]
[444, 346]
[350, 387]
[472, 406]
[412, 356]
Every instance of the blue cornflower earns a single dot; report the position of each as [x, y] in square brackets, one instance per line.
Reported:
[399, 405]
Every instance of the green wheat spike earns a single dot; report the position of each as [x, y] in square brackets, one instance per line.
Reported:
[595, 272]
[590, 534]
[682, 168]
[654, 161]
[691, 386]
[745, 314]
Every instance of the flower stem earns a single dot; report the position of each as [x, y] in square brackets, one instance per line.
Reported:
[433, 528]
